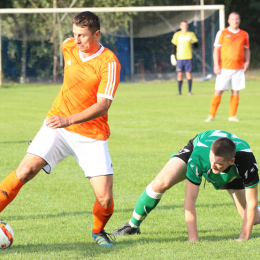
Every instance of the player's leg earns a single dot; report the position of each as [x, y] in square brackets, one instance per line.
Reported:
[188, 69]
[172, 173]
[222, 83]
[180, 81]
[11, 185]
[103, 208]
[237, 192]
[46, 150]
[239, 199]
[234, 99]
[93, 157]
[215, 101]
[237, 83]
[179, 70]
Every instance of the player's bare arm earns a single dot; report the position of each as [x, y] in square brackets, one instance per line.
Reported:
[247, 59]
[216, 59]
[98, 109]
[191, 194]
[250, 212]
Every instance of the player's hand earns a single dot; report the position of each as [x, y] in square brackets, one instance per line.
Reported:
[245, 66]
[57, 122]
[173, 60]
[217, 69]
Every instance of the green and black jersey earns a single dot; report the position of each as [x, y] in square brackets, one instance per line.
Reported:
[245, 165]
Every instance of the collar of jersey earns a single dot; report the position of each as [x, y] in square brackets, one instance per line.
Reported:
[92, 56]
[233, 30]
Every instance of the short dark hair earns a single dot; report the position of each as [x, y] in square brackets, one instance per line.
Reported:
[235, 14]
[224, 147]
[87, 19]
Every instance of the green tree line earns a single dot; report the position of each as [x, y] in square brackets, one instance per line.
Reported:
[49, 30]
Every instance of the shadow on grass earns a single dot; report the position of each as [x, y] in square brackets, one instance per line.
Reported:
[14, 142]
[75, 213]
[29, 85]
[91, 249]
[48, 216]
[85, 249]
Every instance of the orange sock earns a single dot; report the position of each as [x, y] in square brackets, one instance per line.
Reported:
[9, 188]
[233, 105]
[215, 101]
[101, 216]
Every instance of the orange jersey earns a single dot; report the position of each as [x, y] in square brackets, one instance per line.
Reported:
[85, 79]
[232, 45]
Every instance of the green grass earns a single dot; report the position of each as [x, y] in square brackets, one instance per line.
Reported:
[51, 217]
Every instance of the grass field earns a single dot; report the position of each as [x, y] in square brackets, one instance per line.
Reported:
[51, 217]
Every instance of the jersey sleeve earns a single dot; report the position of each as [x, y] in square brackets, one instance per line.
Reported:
[193, 38]
[246, 44]
[175, 39]
[218, 39]
[110, 77]
[248, 168]
[193, 174]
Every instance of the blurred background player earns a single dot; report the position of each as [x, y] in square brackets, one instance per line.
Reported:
[224, 160]
[77, 123]
[182, 41]
[231, 59]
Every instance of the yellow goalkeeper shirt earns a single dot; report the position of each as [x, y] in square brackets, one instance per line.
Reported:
[183, 41]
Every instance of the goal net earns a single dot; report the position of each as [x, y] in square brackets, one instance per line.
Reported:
[140, 37]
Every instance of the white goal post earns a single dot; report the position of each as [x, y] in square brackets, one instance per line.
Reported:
[220, 8]
[201, 8]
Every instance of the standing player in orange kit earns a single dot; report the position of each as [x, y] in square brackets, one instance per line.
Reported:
[231, 60]
[77, 123]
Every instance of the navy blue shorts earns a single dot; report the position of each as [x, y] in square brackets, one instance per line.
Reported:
[184, 65]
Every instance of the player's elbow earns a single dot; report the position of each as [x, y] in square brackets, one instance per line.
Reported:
[104, 108]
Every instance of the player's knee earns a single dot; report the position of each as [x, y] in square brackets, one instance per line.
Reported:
[25, 172]
[160, 185]
[105, 201]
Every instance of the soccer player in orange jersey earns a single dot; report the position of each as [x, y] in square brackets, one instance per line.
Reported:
[231, 60]
[77, 123]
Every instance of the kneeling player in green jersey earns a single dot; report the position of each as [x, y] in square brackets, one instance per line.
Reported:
[222, 159]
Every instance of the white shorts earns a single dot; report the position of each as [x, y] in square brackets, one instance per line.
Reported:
[235, 78]
[54, 145]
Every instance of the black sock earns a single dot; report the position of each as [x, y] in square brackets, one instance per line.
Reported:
[190, 84]
[179, 86]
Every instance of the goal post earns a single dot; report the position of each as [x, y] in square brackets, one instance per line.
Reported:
[156, 24]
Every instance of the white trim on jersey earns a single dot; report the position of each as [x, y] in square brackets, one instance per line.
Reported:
[216, 44]
[104, 96]
[201, 144]
[237, 31]
[246, 150]
[92, 56]
[111, 80]
[114, 83]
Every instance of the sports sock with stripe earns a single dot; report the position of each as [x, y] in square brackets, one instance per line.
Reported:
[9, 188]
[233, 105]
[215, 101]
[101, 216]
[145, 204]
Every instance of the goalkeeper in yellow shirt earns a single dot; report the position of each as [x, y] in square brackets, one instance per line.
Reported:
[182, 54]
